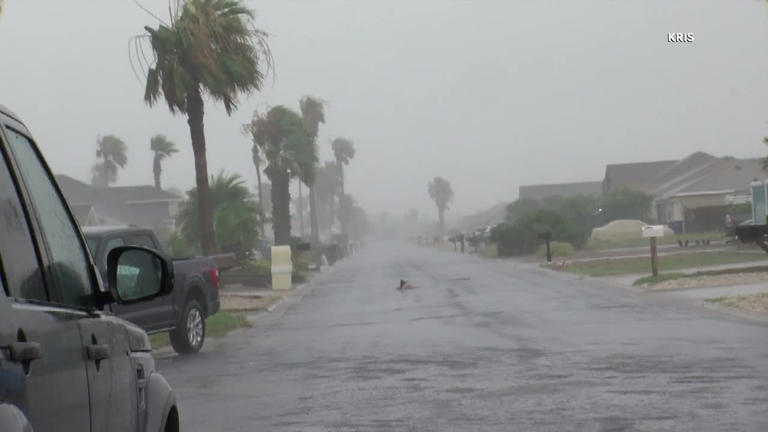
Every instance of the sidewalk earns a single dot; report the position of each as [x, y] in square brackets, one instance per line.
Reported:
[715, 292]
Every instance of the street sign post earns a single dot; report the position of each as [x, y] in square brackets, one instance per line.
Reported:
[653, 232]
[547, 236]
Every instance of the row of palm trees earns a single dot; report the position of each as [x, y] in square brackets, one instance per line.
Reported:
[112, 154]
[212, 48]
[287, 141]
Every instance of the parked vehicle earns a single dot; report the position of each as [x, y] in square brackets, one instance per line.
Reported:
[195, 296]
[65, 363]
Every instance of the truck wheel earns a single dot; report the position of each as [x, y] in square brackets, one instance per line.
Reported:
[189, 334]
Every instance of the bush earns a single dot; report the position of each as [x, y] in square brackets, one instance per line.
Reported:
[512, 240]
[298, 277]
[625, 203]
[558, 249]
[301, 264]
[261, 267]
[179, 247]
[522, 236]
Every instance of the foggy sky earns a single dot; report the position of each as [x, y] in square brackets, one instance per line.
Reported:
[488, 94]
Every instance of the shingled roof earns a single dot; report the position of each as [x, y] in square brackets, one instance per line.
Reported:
[639, 176]
[115, 205]
[541, 191]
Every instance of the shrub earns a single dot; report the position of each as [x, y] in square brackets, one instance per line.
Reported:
[301, 263]
[522, 236]
[261, 267]
[558, 249]
[298, 277]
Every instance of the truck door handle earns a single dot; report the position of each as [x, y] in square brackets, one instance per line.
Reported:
[24, 352]
[97, 352]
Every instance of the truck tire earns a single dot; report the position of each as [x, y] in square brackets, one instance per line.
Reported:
[189, 334]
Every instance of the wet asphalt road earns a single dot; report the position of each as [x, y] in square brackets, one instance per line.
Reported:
[479, 345]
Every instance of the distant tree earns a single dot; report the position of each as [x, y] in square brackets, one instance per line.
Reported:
[441, 193]
[522, 206]
[299, 209]
[344, 152]
[521, 237]
[354, 217]
[162, 148]
[236, 215]
[765, 159]
[210, 47]
[313, 114]
[326, 190]
[250, 129]
[625, 203]
[288, 149]
[113, 154]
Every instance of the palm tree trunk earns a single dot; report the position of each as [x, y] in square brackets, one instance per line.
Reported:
[313, 227]
[257, 164]
[301, 212]
[341, 197]
[195, 115]
[441, 216]
[106, 170]
[281, 208]
[156, 171]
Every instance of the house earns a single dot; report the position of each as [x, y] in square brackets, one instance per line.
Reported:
[541, 191]
[702, 201]
[641, 176]
[691, 194]
[85, 215]
[142, 206]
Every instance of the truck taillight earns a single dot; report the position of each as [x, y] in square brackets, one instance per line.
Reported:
[215, 278]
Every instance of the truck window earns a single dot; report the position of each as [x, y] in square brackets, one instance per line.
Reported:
[18, 261]
[68, 266]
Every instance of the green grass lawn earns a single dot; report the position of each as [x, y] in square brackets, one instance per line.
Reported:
[636, 242]
[490, 251]
[666, 263]
[217, 325]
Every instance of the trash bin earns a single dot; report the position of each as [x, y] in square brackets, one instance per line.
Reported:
[282, 267]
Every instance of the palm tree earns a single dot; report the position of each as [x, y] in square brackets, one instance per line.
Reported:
[236, 215]
[343, 151]
[280, 135]
[112, 151]
[163, 148]
[441, 193]
[312, 114]
[250, 128]
[209, 47]
[326, 189]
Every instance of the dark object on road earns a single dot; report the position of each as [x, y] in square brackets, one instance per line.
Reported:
[405, 285]
[195, 296]
[65, 363]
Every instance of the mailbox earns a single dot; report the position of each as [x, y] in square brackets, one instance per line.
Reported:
[653, 231]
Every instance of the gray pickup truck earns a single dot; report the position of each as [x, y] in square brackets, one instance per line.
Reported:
[194, 298]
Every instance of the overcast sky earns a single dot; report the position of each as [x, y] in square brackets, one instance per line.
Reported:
[488, 94]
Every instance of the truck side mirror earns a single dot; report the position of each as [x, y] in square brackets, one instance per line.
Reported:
[136, 274]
